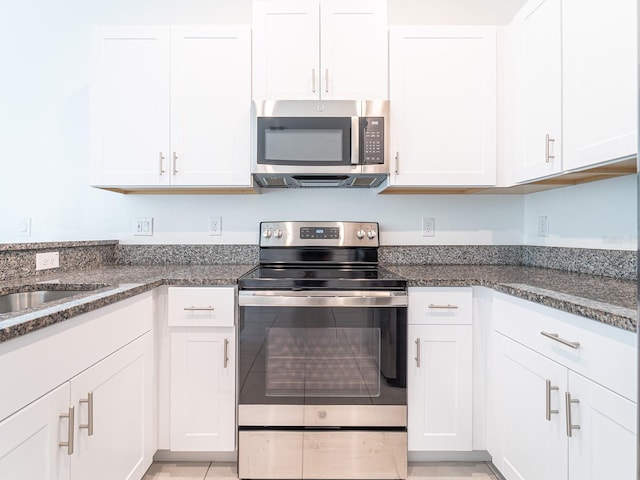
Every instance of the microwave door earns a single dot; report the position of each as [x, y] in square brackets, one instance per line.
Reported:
[305, 141]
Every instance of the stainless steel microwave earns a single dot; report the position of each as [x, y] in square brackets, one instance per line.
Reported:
[309, 143]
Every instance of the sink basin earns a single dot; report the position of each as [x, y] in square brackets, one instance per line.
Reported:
[14, 302]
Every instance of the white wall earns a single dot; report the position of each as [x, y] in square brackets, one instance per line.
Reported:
[592, 215]
[44, 171]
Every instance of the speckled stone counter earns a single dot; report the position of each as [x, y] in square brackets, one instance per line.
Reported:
[111, 284]
[604, 299]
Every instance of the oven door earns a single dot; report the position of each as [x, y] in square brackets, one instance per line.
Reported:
[322, 359]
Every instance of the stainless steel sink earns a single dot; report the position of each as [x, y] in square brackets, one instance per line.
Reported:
[15, 302]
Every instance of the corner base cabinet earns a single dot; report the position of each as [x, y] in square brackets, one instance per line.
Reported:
[98, 421]
[561, 386]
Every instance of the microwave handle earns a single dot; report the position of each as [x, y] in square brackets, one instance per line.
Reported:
[356, 126]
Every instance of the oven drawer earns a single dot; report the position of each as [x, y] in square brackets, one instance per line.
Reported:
[201, 306]
[440, 306]
[352, 454]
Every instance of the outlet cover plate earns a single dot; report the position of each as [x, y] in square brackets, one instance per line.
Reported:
[143, 226]
[47, 260]
[215, 226]
[428, 226]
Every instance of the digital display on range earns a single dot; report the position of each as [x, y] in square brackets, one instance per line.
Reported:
[319, 233]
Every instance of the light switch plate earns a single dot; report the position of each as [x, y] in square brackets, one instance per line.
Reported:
[143, 226]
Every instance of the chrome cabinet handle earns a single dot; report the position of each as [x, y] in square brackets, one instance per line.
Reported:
[161, 163]
[69, 442]
[89, 424]
[570, 426]
[326, 80]
[313, 80]
[226, 352]
[448, 306]
[397, 157]
[548, 410]
[417, 357]
[193, 308]
[557, 338]
[175, 163]
[547, 156]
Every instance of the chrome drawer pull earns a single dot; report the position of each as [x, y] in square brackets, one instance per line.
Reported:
[69, 442]
[548, 396]
[161, 163]
[557, 338]
[89, 424]
[196, 309]
[570, 426]
[447, 306]
[547, 155]
[226, 352]
[417, 358]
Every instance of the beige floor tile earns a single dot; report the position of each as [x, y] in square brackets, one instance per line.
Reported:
[222, 471]
[177, 471]
[450, 471]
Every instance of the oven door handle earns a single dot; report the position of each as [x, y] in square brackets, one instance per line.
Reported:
[267, 298]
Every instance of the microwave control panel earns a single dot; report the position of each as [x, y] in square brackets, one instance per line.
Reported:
[372, 140]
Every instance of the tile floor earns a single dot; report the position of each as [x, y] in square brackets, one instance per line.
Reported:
[227, 471]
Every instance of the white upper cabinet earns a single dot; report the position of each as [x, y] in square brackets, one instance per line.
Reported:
[442, 92]
[320, 50]
[171, 106]
[210, 105]
[539, 72]
[600, 80]
[130, 106]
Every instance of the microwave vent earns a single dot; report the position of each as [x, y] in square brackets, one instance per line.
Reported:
[274, 181]
[365, 181]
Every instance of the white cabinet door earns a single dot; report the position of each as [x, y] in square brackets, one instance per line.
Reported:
[439, 387]
[532, 447]
[210, 105]
[320, 50]
[353, 50]
[442, 92]
[540, 83]
[203, 389]
[130, 106]
[600, 81]
[29, 440]
[605, 444]
[286, 48]
[117, 443]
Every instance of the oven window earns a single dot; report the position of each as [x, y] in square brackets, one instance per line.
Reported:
[323, 362]
[317, 355]
[304, 141]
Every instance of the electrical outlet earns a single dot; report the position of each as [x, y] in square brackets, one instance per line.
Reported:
[543, 226]
[24, 227]
[215, 225]
[47, 260]
[143, 226]
[428, 227]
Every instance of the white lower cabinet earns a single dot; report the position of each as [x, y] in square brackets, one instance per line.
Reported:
[98, 422]
[29, 439]
[202, 404]
[114, 409]
[553, 413]
[439, 372]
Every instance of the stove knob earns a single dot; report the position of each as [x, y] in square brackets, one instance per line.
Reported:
[267, 234]
[360, 234]
[371, 234]
[278, 233]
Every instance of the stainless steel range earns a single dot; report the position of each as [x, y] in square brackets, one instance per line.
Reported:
[322, 356]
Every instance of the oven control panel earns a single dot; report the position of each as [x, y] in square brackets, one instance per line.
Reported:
[331, 234]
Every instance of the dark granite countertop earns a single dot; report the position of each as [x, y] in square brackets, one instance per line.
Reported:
[603, 299]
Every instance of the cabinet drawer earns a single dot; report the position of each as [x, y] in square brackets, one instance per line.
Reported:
[440, 306]
[603, 353]
[201, 306]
